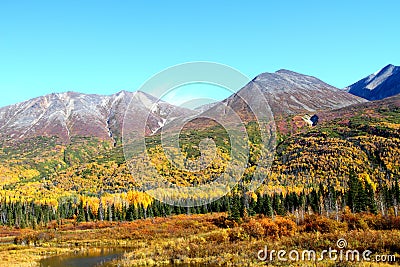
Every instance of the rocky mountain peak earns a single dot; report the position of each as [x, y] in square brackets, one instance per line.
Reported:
[289, 92]
[381, 84]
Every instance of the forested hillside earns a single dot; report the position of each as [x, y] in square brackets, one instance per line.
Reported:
[351, 159]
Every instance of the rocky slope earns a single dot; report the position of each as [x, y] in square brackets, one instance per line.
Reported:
[288, 92]
[381, 84]
[70, 114]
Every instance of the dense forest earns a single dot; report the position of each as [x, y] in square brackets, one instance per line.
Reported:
[322, 201]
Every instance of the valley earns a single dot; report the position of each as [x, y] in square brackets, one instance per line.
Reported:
[66, 187]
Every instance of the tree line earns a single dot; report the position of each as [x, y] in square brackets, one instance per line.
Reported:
[323, 200]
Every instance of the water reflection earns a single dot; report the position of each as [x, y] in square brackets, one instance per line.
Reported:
[94, 257]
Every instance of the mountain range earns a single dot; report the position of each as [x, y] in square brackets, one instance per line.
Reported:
[73, 114]
[288, 93]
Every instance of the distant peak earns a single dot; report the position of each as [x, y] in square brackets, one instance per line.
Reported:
[387, 68]
[71, 93]
[123, 92]
[390, 66]
[379, 85]
[278, 72]
[146, 97]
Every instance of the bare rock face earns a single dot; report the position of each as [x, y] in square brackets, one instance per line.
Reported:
[379, 85]
[70, 114]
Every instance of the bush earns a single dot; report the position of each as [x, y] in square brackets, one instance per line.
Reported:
[236, 234]
[224, 222]
[286, 227]
[323, 225]
[219, 237]
[253, 228]
[270, 228]
[355, 221]
[33, 238]
[390, 223]
[26, 240]
[373, 221]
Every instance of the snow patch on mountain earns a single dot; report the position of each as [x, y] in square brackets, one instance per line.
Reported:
[381, 84]
[380, 77]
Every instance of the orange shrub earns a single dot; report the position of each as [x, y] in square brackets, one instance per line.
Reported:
[355, 221]
[286, 227]
[394, 222]
[271, 229]
[323, 225]
[253, 228]
[34, 238]
[218, 237]
[390, 222]
[224, 222]
[373, 221]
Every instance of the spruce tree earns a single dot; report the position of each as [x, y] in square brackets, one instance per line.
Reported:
[370, 198]
[266, 206]
[235, 208]
[81, 213]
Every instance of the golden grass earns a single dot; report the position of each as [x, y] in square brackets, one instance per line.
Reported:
[18, 256]
[189, 239]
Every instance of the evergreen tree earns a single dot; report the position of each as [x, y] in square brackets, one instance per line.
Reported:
[370, 198]
[277, 204]
[314, 201]
[100, 211]
[81, 213]
[357, 199]
[235, 208]
[266, 206]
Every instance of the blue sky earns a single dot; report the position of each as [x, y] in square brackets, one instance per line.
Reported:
[107, 46]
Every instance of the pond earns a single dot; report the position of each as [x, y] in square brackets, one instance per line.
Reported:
[94, 257]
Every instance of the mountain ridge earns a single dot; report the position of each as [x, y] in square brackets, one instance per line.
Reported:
[379, 85]
[289, 92]
[71, 114]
